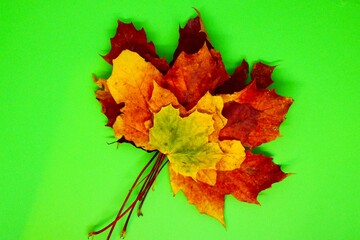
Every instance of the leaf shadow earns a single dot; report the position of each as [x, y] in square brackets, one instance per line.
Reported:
[261, 150]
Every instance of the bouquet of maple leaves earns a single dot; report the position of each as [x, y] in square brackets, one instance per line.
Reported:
[195, 117]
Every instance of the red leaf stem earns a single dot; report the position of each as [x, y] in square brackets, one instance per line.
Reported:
[149, 179]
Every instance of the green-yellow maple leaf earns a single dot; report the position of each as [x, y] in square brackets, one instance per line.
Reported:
[185, 140]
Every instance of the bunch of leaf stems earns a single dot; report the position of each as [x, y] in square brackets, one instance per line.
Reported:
[147, 181]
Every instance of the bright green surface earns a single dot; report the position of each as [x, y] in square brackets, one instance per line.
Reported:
[59, 177]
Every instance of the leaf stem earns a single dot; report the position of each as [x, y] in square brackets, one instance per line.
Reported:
[158, 168]
[148, 181]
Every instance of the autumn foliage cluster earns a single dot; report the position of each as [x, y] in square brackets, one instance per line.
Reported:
[205, 121]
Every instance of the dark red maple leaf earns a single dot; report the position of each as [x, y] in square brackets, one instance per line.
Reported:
[192, 37]
[242, 119]
[127, 37]
[236, 82]
[261, 74]
[109, 107]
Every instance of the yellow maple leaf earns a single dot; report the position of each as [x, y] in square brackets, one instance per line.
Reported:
[206, 198]
[133, 82]
[185, 140]
[234, 152]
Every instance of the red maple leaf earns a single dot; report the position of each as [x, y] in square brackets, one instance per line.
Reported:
[192, 37]
[192, 75]
[261, 74]
[254, 116]
[127, 37]
[109, 107]
[256, 173]
[236, 82]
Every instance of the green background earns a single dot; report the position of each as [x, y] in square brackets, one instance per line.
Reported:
[59, 178]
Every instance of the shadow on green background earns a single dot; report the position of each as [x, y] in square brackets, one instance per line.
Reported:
[59, 178]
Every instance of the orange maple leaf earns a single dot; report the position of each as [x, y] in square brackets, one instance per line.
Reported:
[256, 173]
[192, 75]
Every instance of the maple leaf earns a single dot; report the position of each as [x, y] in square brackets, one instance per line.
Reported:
[191, 142]
[233, 151]
[185, 141]
[205, 197]
[127, 37]
[236, 82]
[256, 173]
[192, 37]
[192, 75]
[261, 74]
[132, 84]
[212, 105]
[161, 97]
[109, 107]
[254, 115]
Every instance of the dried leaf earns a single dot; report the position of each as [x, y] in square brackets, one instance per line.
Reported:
[127, 37]
[254, 115]
[185, 140]
[192, 37]
[109, 107]
[206, 198]
[257, 173]
[132, 84]
[236, 82]
[193, 75]
[212, 105]
[261, 74]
